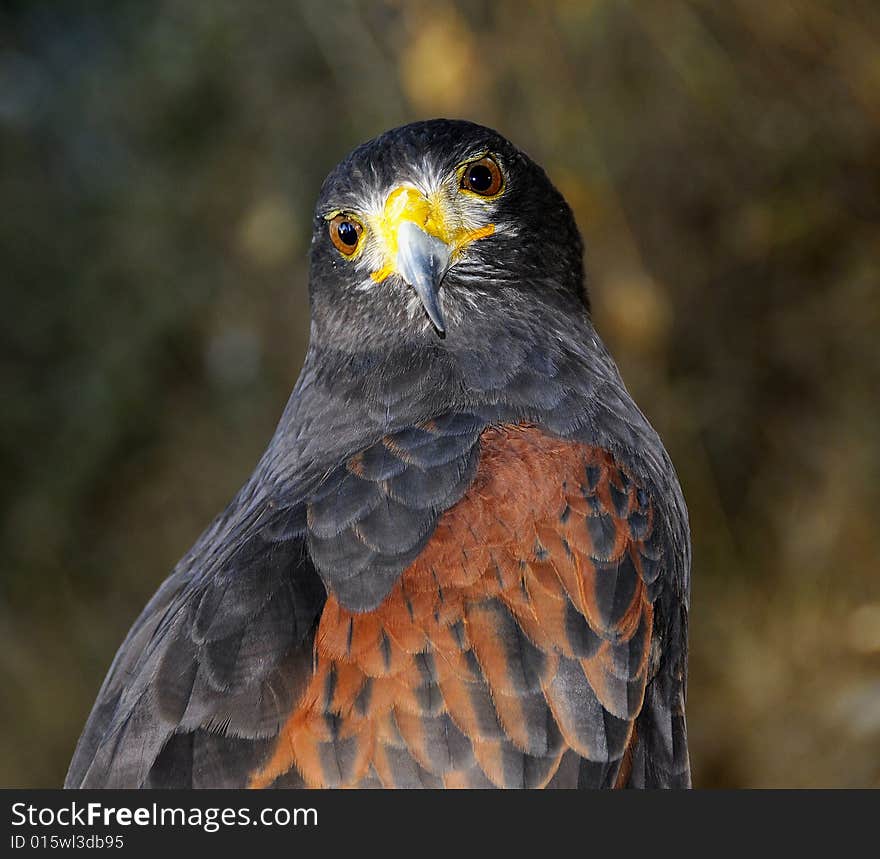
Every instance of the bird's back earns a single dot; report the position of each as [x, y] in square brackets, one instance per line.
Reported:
[514, 651]
[468, 601]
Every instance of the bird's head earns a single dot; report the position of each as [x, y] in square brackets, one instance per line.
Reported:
[440, 231]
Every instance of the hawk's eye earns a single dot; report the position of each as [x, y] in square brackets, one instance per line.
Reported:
[345, 233]
[482, 177]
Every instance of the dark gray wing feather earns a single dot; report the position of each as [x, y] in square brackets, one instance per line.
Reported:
[209, 671]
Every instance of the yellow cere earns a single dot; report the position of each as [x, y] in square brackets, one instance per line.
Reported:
[409, 204]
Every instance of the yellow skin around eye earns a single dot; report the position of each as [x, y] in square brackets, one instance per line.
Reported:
[429, 213]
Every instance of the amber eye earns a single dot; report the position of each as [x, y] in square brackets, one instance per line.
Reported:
[483, 177]
[345, 233]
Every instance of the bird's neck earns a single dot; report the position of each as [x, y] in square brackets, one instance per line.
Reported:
[467, 367]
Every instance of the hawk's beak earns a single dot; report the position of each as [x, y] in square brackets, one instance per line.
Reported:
[422, 260]
[422, 242]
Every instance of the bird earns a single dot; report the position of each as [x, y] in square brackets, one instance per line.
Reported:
[463, 560]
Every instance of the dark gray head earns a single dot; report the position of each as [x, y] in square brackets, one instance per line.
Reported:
[440, 233]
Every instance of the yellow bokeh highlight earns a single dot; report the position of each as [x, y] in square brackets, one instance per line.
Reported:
[437, 64]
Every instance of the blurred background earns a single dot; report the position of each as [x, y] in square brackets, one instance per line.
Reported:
[158, 166]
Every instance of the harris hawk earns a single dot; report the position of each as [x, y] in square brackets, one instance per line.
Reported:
[464, 558]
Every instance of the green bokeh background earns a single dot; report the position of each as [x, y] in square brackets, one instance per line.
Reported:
[158, 166]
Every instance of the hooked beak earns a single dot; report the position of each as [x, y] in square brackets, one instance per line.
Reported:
[422, 243]
[422, 260]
